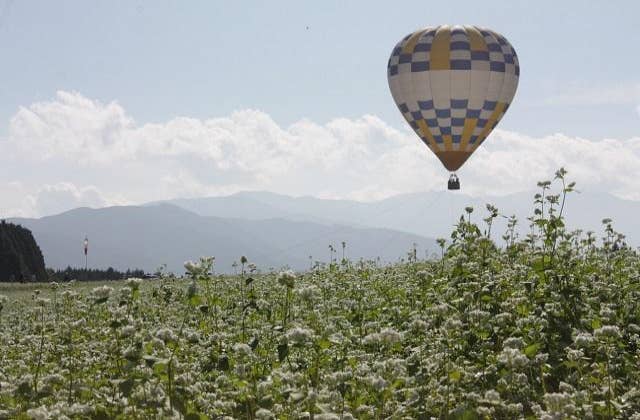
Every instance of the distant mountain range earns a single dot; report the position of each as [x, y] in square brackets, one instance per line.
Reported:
[431, 214]
[275, 230]
[148, 236]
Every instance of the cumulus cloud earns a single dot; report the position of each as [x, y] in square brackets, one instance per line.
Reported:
[21, 201]
[74, 151]
[51, 199]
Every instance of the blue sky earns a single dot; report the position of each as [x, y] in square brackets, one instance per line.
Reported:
[131, 101]
[203, 59]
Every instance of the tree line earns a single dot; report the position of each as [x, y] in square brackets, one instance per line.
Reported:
[92, 274]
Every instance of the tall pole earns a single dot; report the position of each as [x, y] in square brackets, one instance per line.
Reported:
[86, 252]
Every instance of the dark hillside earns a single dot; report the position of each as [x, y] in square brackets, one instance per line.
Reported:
[20, 256]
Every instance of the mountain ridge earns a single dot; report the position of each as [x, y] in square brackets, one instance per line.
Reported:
[149, 236]
[430, 214]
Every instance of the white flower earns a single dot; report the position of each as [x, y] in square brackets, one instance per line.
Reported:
[102, 292]
[513, 358]
[125, 292]
[264, 414]
[484, 412]
[79, 323]
[583, 339]
[192, 336]
[607, 331]
[513, 343]
[199, 268]
[308, 293]
[373, 338]
[286, 278]
[492, 397]
[166, 335]
[419, 326]
[264, 386]
[243, 349]
[390, 336]
[53, 379]
[574, 355]
[557, 402]
[378, 383]
[40, 413]
[134, 283]
[441, 309]
[128, 330]
[42, 301]
[541, 358]
[327, 416]
[131, 353]
[422, 274]
[452, 324]
[191, 266]
[79, 409]
[299, 335]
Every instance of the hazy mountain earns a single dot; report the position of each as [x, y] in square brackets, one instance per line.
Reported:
[429, 214]
[149, 236]
[275, 230]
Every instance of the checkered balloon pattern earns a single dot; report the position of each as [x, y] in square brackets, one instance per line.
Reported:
[453, 84]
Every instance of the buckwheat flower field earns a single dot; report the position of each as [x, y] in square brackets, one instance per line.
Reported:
[544, 326]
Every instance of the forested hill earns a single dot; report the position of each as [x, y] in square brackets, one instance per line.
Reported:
[20, 255]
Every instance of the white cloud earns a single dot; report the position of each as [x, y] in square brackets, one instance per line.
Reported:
[73, 151]
[590, 94]
[51, 199]
[15, 200]
[22, 201]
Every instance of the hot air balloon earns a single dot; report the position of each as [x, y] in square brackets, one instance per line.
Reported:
[453, 84]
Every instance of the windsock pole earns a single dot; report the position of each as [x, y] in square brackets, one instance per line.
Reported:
[86, 252]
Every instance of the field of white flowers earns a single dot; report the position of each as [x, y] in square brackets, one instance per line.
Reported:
[545, 326]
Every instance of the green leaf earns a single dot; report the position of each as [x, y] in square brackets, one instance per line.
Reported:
[195, 416]
[324, 343]
[150, 360]
[179, 404]
[195, 300]
[101, 413]
[465, 413]
[532, 350]
[24, 389]
[161, 369]
[254, 343]
[126, 386]
[223, 363]
[283, 351]
[455, 375]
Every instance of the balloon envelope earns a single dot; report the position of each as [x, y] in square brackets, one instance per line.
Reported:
[453, 84]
